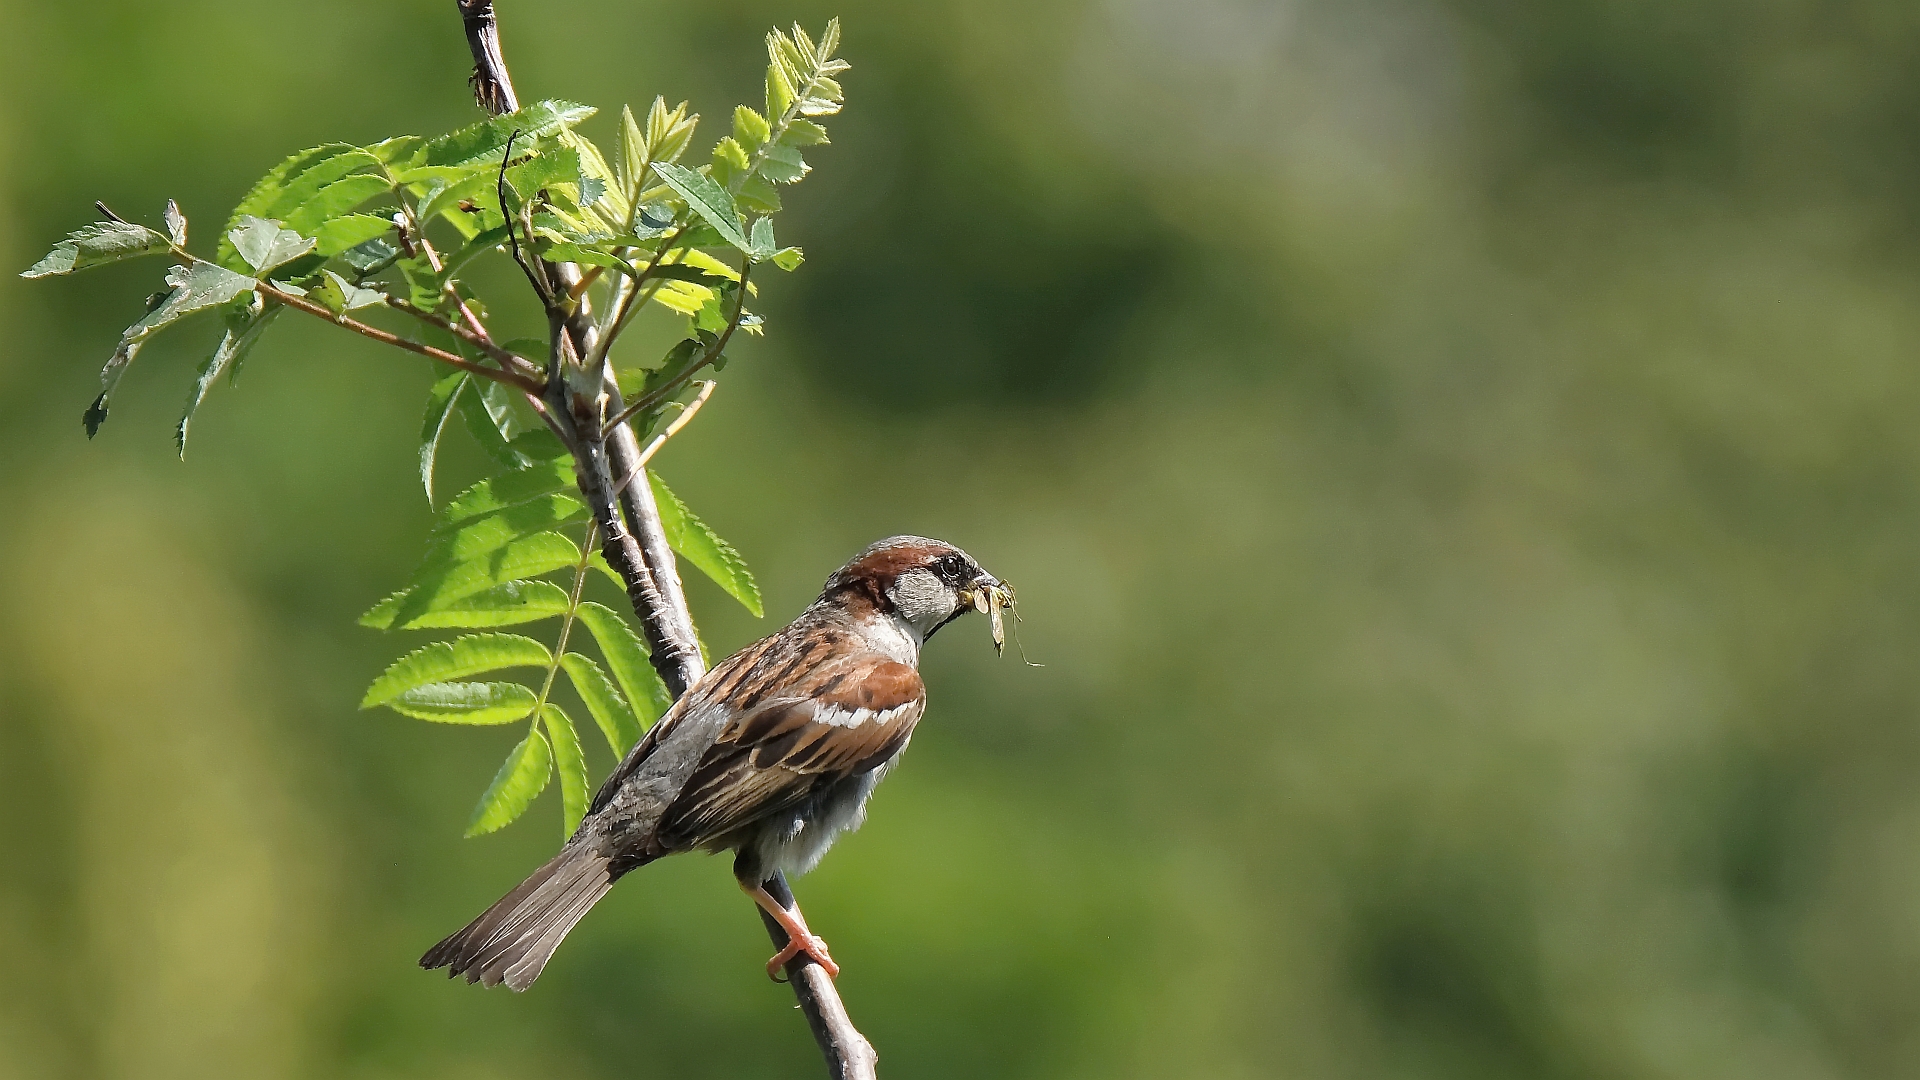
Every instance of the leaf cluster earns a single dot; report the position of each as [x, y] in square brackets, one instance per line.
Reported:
[356, 234]
[488, 563]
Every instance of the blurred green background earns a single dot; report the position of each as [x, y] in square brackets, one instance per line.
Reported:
[1458, 458]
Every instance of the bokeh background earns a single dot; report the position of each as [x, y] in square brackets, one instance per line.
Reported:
[1458, 458]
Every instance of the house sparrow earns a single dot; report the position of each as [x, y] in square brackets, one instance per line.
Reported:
[771, 755]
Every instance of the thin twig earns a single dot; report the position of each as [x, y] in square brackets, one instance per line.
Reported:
[660, 440]
[509, 360]
[540, 286]
[652, 400]
[299, 303]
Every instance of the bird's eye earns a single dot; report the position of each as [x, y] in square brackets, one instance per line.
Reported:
[951, 568]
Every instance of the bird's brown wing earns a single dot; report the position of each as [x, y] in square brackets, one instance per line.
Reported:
[849, 715]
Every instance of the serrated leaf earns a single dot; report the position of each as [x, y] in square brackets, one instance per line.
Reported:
[398, 148]
[789, 259]
[334, 200]
[627, 658]
[521, 778]
[779, 91]
[244, 326]
[705, 198]
[631, 161]
[98, 244]
[264, 244]
[570, 763]
[702, 547]
[479, 142]
[195, 288]
[490, 532]
[803, 133]
[443, 661]
[760, 243]
[369, 256]
[529, 556]
[489, 421]
[343, 233]
[176, 224]
[555, 166]
[749, 128]
[604, 700]
[731, 155]
[758, 195]
[476, 703]
[784, 165]
[439, 409]
[510, 604]
[267, 190]
[506, 490]
[340, 296]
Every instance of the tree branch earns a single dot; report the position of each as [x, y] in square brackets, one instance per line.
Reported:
[642, 557]
[492, 86]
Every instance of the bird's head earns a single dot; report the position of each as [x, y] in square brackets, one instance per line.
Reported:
[926, 583]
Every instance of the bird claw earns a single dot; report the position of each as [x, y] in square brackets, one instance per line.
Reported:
[815, 948]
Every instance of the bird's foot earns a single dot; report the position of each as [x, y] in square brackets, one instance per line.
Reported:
[813, 947]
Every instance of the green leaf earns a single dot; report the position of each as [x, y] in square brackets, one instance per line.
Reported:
[571, 765]
[334, 200]
[509, 604]
[434, 423]
[758, 194]
[716, 558]
[176, 224]
[627, 659]
[749, 128]
[804, 133]
[789, 258]
[245, 321]
[441, 661]
[490, 422]
[559, 165]
[784, 165]
[398, 148]
[508, 489]
[465, 702]
[521, 777]
[98, 244]
[195, 288]
[340, 296]
[760, 245]
[265, 245]
[491, 532]
[336, 236]
[484, 141]
[705, 198]
[631, 158]
[609, 708]
[529, 556]
[268, 190]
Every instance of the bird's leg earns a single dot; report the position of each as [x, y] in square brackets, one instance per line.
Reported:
[799, 938]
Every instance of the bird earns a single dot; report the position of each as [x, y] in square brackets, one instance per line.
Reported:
[772, 755]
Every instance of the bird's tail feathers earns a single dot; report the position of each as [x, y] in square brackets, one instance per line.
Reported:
[512, 940]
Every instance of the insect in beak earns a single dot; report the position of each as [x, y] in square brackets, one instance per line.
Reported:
[988, 600]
